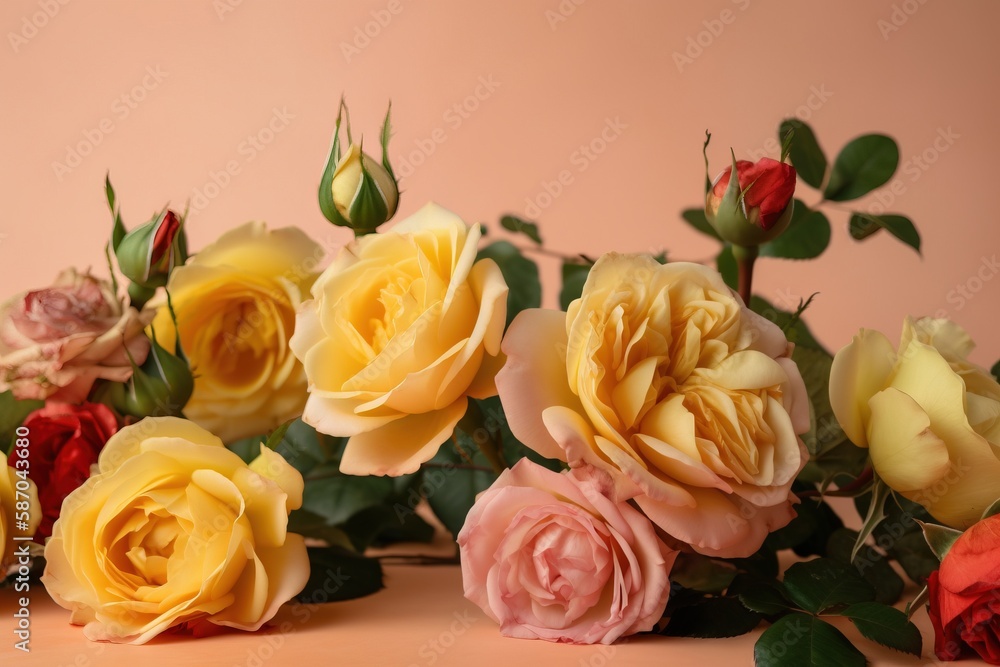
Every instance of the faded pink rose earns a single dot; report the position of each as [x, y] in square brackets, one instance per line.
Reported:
[57, 341]
[550, 556]
[661, 376]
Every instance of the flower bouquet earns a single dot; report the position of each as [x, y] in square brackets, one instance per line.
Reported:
[198, 438]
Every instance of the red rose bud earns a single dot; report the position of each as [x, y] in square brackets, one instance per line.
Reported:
[148, 253]
[163, 240]
[65, 442]
[964, 596]
[756, 206]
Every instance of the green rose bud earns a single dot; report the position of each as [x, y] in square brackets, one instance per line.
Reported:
[160, 387]
[148, 253]
[355, 190]
[363, 191]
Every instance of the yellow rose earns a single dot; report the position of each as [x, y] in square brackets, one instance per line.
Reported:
[20, 512]
[403, 327]
[660, 376]
[174, 528]
[235, 303]
[929, 417]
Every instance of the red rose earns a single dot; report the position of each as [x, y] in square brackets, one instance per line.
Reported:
[65, 441]
[772, 185]
[965, 595]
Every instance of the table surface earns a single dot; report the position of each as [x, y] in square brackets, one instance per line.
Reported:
[419, 619]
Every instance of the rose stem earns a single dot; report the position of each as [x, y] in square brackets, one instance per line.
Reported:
[745, 257]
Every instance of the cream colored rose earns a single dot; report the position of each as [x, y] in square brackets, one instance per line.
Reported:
[403, 327]
[20, 512]
[57, 341]
[660, 376]
[235, 303]
[174, 528]
[929, 417]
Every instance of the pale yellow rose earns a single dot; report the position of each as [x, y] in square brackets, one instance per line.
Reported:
[929, 417]
[660, 376]
[403, 327]
[20, 512]
[174, 528]
[235, 303]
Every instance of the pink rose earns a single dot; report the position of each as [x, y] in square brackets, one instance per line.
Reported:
[550, 556]
[55, 342]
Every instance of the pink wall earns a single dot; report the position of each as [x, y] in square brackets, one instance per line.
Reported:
[164, 94]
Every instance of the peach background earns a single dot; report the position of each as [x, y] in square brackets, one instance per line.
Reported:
[227, 65]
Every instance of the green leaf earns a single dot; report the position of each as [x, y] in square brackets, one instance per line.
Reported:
[725, 263]
[277, 435]
[337, 574]
[900, 536]
[822, 583]
[696, 218]
[701, 573]
[521, 226]
[875, 515]
[809, 531]
[764, 597]
[806, 155]
[807, 236]
[712, 618]
[573, 278]
[863, 165]
[326, 204]
[311, 525]
[918, 601]
[384, 137]
[863, 225]
[798, 640]
[380, 525]
[939, 538]
[12, 414]
[886, 626]
[870, 564]
[996, 370]
[521, 275]
[337, 497]
[455, 482]
[795, 329]
[824, 429]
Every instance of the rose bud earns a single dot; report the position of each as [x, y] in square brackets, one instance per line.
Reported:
[160, 387]
[355, 190]
[755, 207]
[363, 191]
[147, 254]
